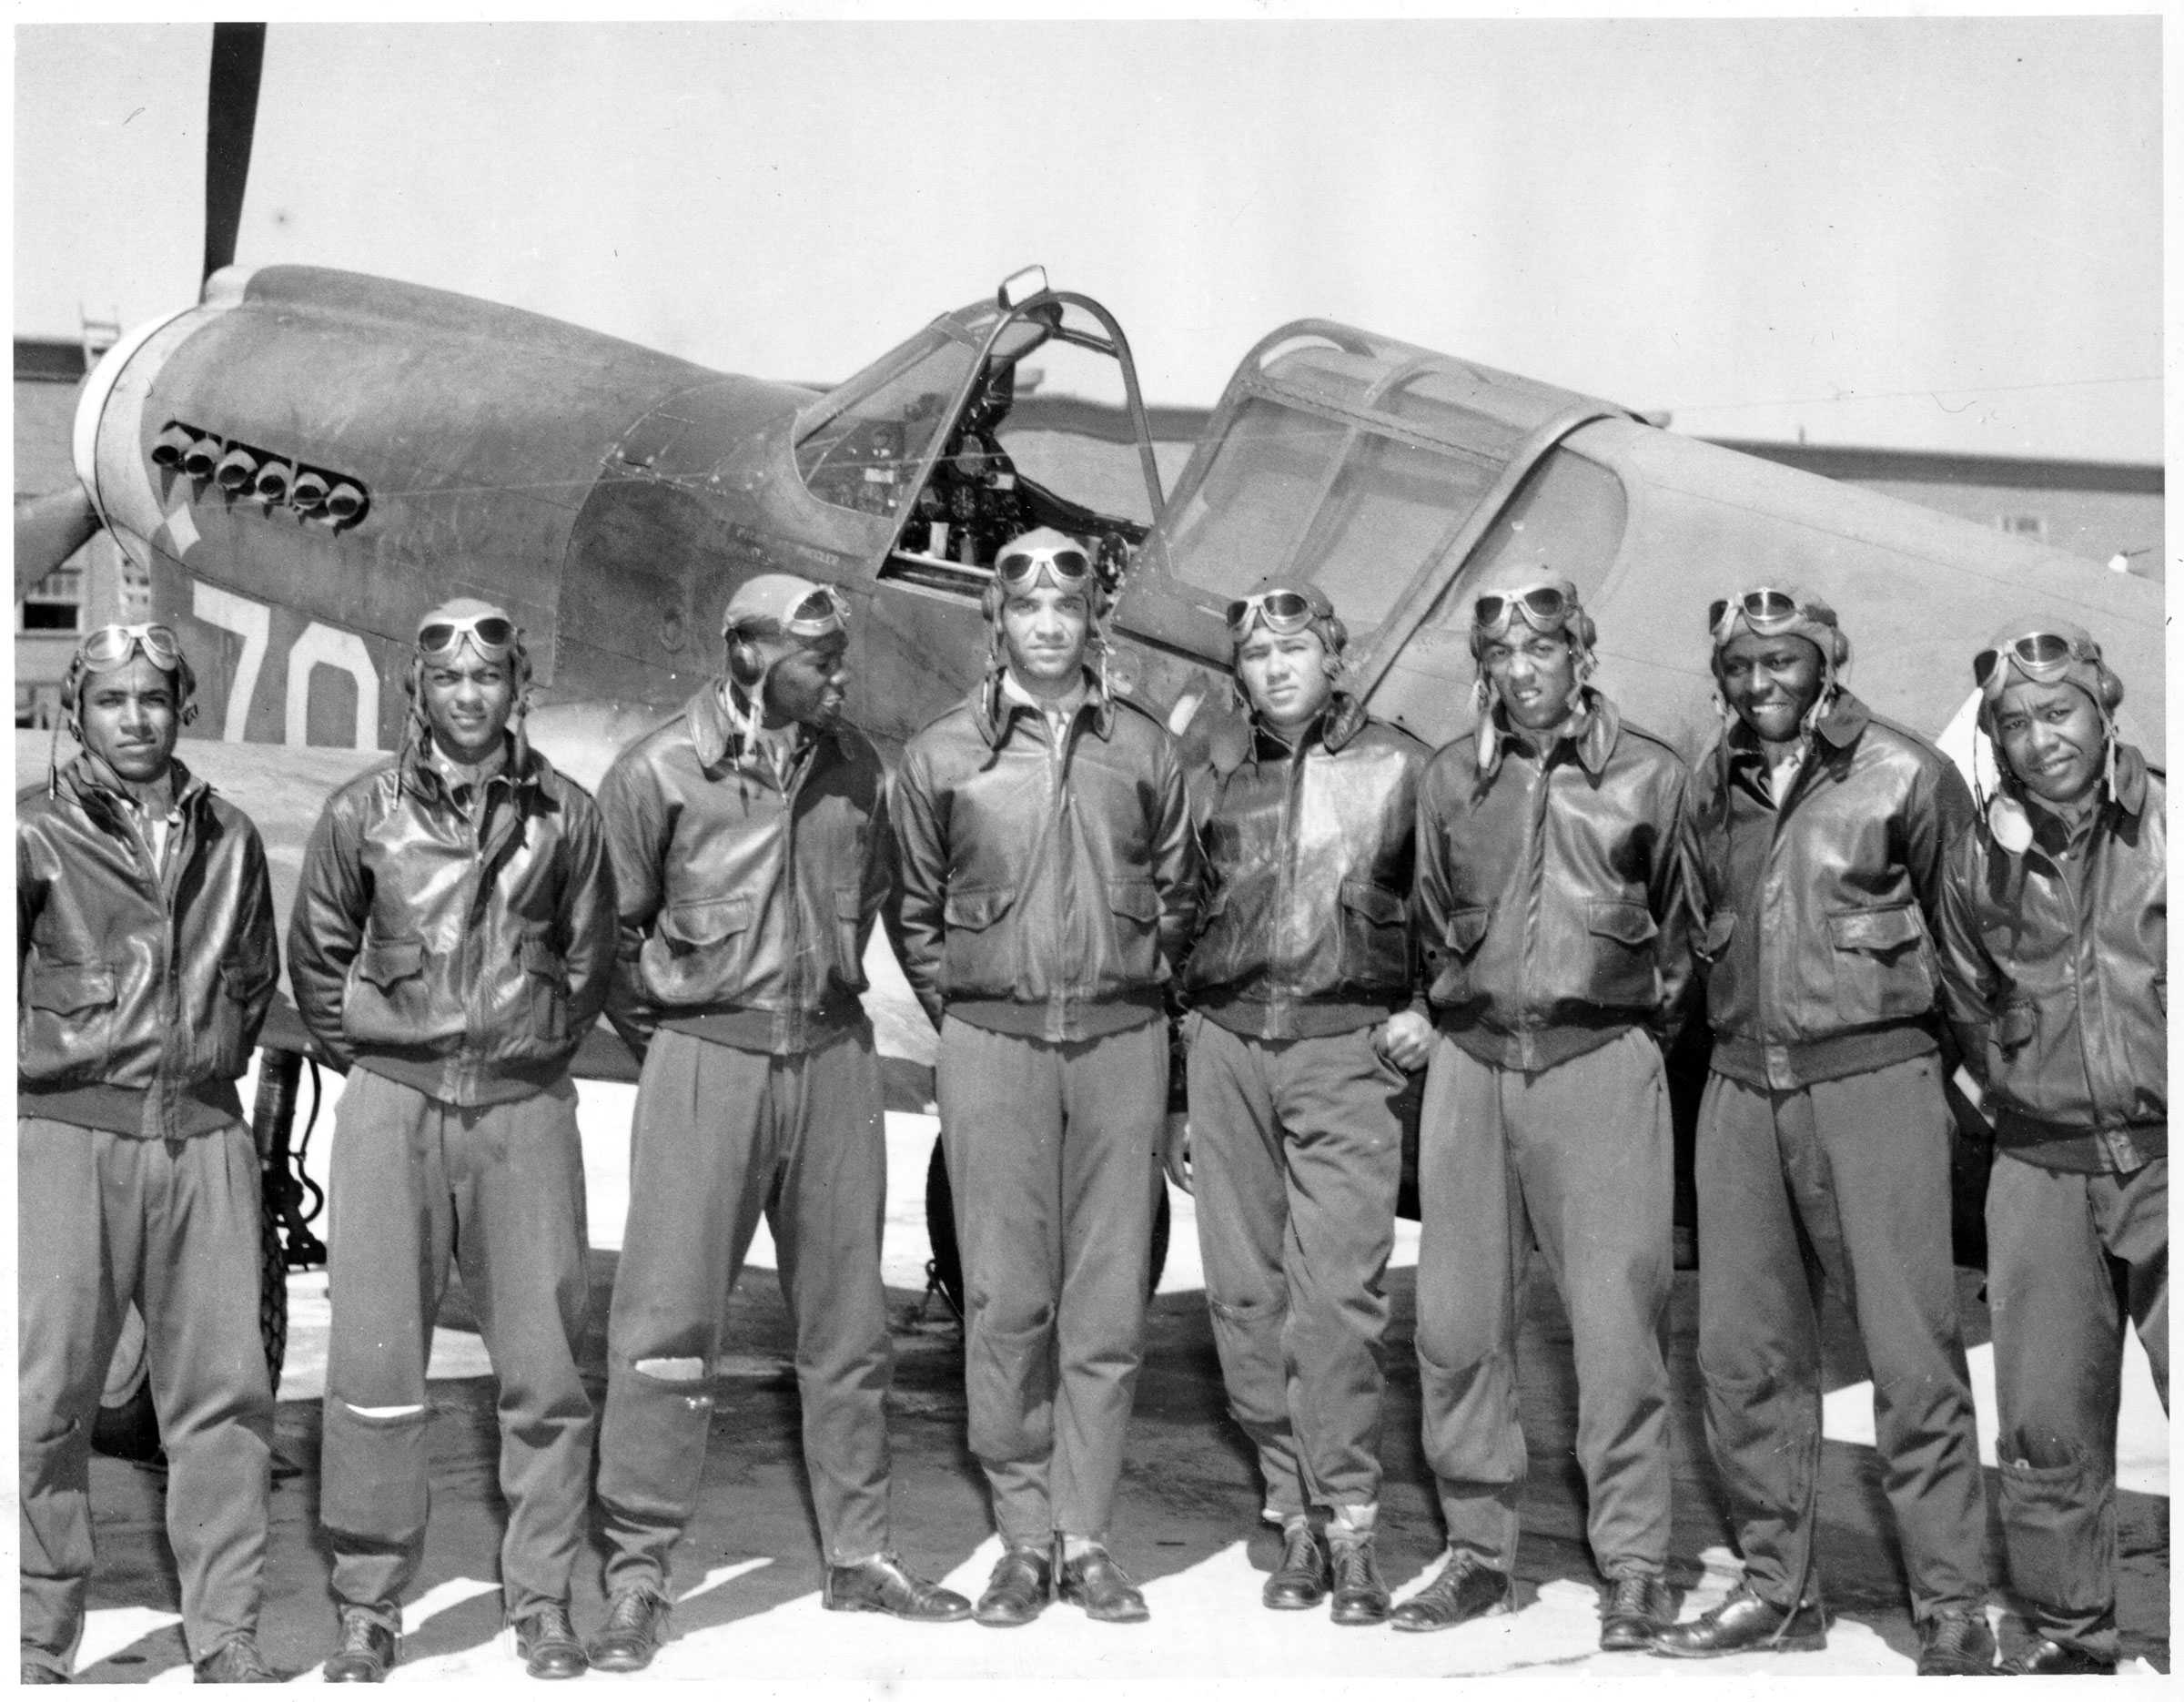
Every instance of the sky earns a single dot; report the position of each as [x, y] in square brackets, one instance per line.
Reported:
[1939, 233]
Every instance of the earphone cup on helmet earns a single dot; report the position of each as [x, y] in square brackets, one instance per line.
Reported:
[1581, 630]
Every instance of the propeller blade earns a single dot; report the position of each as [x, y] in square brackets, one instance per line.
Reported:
[238, 54]
[50, 529]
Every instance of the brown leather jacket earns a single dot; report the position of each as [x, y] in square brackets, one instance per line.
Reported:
[1551, 895]
[2055, 967]
[745, 908]
[1818, 938]
[138, 993]
[1303, 922]
[1044, 889]
[467, 961]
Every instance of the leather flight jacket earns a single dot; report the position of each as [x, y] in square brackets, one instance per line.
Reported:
[1551, 897]
[138, 991]
[2056, 972]
[746, 906]
[1045, 887]
[1304, 923]
[463, 953]
[1818, 936]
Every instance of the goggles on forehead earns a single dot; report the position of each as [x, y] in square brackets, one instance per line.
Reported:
[1543, 607]
[819, 614]
[1279, 611]
[110, 646]
[1766, 610]
[2041, 656]
[1069, 565]
[494, 635]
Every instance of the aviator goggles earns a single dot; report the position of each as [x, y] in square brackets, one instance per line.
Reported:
[822, 613]
[110, 646]
[1279, 611]
[2044, 657]
[1766, 610]
[1069, 565]
[1545, 608]
[494, 635]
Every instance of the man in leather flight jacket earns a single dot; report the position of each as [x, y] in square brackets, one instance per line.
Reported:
[451, 946]
[1047, 883]
[750, 856]
[1301, 983]
[1823, 1138]
[1553, 852]
[2055, 952]
[144, 962]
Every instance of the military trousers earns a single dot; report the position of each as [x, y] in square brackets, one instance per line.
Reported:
[1845, 1180]
[2070, 1260]
[103, 1219]
[498, 1190]
[1579, 1155]
[1295, 1155]
[1051, 1152]
[721, 1136]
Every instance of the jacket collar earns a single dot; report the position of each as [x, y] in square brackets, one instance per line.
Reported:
[1342, 720]
[1593, 742]
[715, 737]
[1837, 727]
[995, 711]
[526, 769]
[92, 786]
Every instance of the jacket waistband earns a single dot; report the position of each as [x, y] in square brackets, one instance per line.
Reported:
[1794, 1064]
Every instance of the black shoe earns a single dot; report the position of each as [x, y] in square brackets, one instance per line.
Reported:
[1019, 1589]
[546, 1642]
[1300, 1581]
[369, 1647]
[1741, 1624]
[39, 1673]
[1361, 1593]
[1465, 1589]
[883, 1585]
[1637, 1607]
[235, 1662]
[1103, 1589]
[2041, 1659]
[636, 1627]
[1955, 1645]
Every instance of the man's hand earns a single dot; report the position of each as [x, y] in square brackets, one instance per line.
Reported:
[1405, 1041]
[1175, 1151]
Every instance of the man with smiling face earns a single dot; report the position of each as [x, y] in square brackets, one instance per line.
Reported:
[1823, 1138]
[1553, 852]
[2054, 932]
[1301, 983]
[451, 946]
[750, 857]
[145, 961]
[1047, 883]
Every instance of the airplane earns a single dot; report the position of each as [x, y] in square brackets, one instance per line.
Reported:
[305, 460]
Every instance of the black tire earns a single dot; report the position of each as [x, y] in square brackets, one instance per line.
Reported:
[945, 1269]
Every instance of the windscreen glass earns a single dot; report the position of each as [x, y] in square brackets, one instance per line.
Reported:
[865, 452]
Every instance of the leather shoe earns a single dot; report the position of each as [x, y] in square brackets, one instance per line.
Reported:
[636, 1627]
[2041, 1659]
[1103, 1589]
[39, 1673]
[1018, 1590]
[1955, 1645]
[236, 1661]
[1300, 1579]
[883, 1585]
[1741, 1624]
[369, 1647]
[1637, 1607]
[1361, 1593]
[1465, 1589]
[546, 1642]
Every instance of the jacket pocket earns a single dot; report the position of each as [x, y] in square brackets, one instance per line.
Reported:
[697, 923]
[1135, 907]
[546, 980]
[65, 1027]
[1450, 956]
[384, 962]
[1465, 928]
[702, 952]
[976, 956]
[388, 1002]
[223, 1041]
[1884, 969]
[1376, 943]
[1620, 934]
